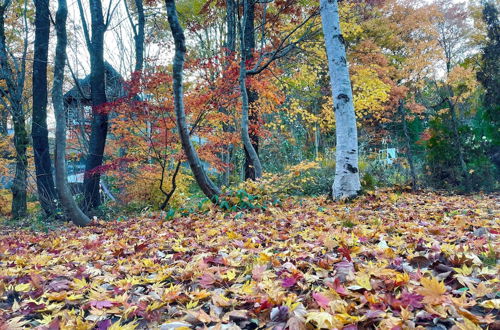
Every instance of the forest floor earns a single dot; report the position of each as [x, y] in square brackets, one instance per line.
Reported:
[386, 260]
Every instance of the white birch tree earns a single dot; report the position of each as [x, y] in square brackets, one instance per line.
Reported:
[346, 183]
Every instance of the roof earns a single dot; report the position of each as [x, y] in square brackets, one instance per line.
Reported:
[114, 87]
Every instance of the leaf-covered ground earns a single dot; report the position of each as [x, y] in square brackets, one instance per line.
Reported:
[387, 260]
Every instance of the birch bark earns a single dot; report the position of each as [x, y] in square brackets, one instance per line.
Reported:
[346, 183]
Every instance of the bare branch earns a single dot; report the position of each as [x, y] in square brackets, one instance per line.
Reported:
[282, 49]
[84, 25]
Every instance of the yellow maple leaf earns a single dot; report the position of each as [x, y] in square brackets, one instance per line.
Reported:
[345, 318]
[154, 306]
[467, 325]
[323, 320]
[248, 287]
[406, 314]
[56, 296]
[402, 278]
[148, 262]
[390, 322]
[118, 326]
[199, 294]
[74, 297]
[480, 290]
[462, 301]
[221, 301]
[24, 287]
[179, 248]
[79, 284]
[363, 281]
[393, 197]
[432, 290]
[192, 304]
[46, 319]
[493, 304]
[230, 275]
[264, 258]
[466, 271]
[232, 235]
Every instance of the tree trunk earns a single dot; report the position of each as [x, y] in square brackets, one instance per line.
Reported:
[15, 87]
[409, 153]
[316, 142]
[253, 167]
[70, 207]
[253, 96]
[346, 183]
[231, 27]
[458, 141]
[19, 187]
[249, 27]
[206, 185]
[253, 120]
[315, 108]
[139, 37]
[99, 126]
[39, 132]
[230, 50]
[3, 120]
[138, 31]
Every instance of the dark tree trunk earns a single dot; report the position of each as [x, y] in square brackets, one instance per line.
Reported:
[138, 31]
[231, 27]
[39, 132]
[253, 119]
[15, 87]
[230, 50]
[139, 36]
[19, 187]
[253, 116]
[249, 31]
[71, 209]
[206, 185]
[3, 121]
[99, 124]
[253, 168]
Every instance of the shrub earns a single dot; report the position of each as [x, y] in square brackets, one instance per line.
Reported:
[442, 165]
[300, 179]
[140, 187]
[377, 173]
[5, 202]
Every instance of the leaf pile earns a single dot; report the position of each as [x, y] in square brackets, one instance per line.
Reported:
[386, 260]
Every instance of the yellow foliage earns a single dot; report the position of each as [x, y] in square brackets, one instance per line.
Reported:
[463, 82]
[350, 23]
[370, 93]
[143, 186]
[5, 202]
[293, 178]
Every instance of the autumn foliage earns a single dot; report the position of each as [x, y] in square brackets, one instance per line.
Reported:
[389, 260]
